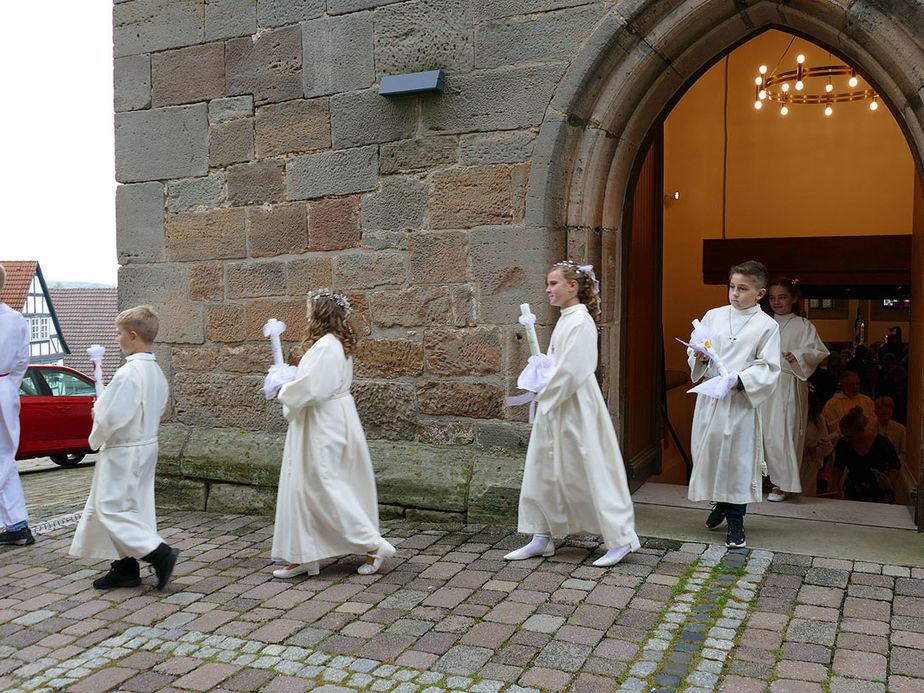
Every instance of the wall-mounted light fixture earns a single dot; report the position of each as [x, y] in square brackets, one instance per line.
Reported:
[412, 83]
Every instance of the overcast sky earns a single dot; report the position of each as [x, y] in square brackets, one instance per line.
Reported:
[58, 179]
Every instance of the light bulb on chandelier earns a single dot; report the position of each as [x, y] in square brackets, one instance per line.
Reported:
[828, 110]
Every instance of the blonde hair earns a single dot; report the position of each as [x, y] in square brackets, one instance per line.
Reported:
[2, 277]
[329, 316]
[142, 320]
[587, 293]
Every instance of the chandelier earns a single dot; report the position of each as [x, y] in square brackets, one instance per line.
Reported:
[790, 87]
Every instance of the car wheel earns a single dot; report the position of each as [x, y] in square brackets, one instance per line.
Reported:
[68, 460]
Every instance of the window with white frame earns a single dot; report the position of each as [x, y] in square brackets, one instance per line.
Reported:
[39, 329]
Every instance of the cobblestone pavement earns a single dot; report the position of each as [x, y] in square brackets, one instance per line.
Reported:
[450, 614]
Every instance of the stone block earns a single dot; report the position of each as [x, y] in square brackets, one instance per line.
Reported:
[230, 108]
[213, 400]
[386, 409]
[194, 358]
[471, 196]
[501, 99]
[172, 493]
[152, 283]
[417, 306]
[196, 194]
[256, 182]
[131, 81]
[418, 154]
[537, 37]
[225, 322]
[277, 229]
[361, 319]
[342, 172]
[234, 498]
[255, 279]
[399, 206]
[494, 494]
[469, 351]
[147, 26]
[410, 37]
[456, 398]
[180, 322]
[229, 18]
[446, 432]
[233, 456]
[438, 257]
[231, 142]
[492, 9]
[246, 358]
[334, 224]
[209, 236]
[512, 438]
[291, 312]
[366, 270]
[387, 358]
[421, 476]
[462, 299]
[268, 65]
[188, 75]
[161, 143]
[140, 235]
[385, 240]
[363, 117]
[342, 6]
[206, 281]
[508, 147]
[508, 265]
[307, 273]
[296, 126]
[327, 67]
[279, 12]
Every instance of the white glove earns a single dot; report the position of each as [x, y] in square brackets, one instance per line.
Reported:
[717, 387]
[278, 376]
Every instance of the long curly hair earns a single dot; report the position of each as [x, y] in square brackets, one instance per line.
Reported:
[586, 293]
[329, 316]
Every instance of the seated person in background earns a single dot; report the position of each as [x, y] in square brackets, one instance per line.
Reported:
[892, 430]
[867, 461]
[848, 398]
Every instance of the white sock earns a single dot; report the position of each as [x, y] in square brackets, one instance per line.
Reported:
[538, 544]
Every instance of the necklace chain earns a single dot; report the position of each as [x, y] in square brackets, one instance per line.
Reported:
[732, 337]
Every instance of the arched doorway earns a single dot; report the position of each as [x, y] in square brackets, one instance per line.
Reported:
[602, 119]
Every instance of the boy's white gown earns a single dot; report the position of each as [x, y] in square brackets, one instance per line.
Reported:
[784, 414]
[14, 361]
[575, 481]
[119, 518]
[327, 504]
[727, 445]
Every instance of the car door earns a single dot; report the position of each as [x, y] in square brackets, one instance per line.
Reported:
[71, 400]
[35, 415]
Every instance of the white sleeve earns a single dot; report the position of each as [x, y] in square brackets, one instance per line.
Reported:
[318, 377]
[117, 406]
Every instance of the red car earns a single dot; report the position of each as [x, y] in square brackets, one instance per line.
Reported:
[54, 417]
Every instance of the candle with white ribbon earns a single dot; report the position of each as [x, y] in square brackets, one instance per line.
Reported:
[272, 329]
[280, 372]
[528, 320]
[96, 352]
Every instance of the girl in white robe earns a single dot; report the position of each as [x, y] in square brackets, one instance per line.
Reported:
[785, 413]
[574, 481]
[327, 504]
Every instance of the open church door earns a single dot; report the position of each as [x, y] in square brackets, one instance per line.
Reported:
[643, 367]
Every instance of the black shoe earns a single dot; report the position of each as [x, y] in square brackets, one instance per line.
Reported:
[21, 537]
[716, 518]
[163, 560]
[735, 537]
[123, 573]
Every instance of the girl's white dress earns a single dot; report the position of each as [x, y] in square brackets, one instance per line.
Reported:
[575, 481]
[784, 414]
[327, 504]
[728, 452]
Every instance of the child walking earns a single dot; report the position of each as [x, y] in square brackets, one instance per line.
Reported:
[327, 504]
[119, 519]
[785, 413]
[728, 454]
[574, 481]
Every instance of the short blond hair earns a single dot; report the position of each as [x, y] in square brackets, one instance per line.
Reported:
[2, 277]
[141, 320]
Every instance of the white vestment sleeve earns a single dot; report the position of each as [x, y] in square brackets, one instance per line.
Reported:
[318, 377]
[575, 362]
[21, 360]
[116, 408]
[809, 353]
[760, 378]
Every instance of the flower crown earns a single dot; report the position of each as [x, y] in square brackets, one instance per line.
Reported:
[335, 296]
[586, 270]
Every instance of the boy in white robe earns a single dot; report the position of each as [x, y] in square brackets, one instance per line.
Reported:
[119, 519]
[14, 360]
[728, 454]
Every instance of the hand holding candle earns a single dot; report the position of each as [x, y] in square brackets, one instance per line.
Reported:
[96, 352]
[280, 373]
[538, 367]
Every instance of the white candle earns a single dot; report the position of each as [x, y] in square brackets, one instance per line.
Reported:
[95, 352]
[272, 329]
[528, 320]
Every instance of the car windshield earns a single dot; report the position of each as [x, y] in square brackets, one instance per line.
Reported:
[64, 384]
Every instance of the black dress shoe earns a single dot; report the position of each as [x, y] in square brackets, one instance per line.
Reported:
[123, 573]
[163, 560]
[19, 537]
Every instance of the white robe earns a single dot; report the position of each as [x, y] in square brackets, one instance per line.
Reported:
[327, 504]
[119, 519]
[575, 481]
[728, 453]
[14, 361]
[784, 414]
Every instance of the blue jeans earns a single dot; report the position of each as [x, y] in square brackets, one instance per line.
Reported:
[734, 511]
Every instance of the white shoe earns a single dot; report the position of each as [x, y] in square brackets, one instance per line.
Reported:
[311, 568]
[613, 556]
[384, 551]
[533, 549]
[776, 495]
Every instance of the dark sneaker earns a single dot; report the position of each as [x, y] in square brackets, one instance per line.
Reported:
[716, 518]
[735, 537]
[21, 537]
[163, 560]
[123, 573]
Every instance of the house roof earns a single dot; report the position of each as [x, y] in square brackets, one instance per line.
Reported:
[19, 274]
[87, 316]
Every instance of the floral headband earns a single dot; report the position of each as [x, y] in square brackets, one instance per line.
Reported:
[586, 270]
[334, 296]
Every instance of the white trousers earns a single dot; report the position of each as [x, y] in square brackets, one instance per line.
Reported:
[12, 500]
